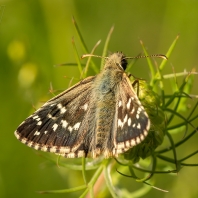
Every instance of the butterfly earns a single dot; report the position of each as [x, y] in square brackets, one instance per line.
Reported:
[100, 115]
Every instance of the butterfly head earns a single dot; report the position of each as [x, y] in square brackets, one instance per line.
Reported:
[117, 58]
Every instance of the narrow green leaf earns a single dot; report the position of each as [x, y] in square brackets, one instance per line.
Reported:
[84, 170]
[82, 42]
[77, 57]
[64, 190]
[149, 61]
[106, 46]
[108, 180]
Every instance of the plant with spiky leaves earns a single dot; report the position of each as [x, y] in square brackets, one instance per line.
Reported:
[163, 110]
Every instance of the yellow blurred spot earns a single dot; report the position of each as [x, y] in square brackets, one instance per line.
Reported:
[27, 75]
[16, 50]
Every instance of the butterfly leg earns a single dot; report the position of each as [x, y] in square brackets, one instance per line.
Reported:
[136, 81]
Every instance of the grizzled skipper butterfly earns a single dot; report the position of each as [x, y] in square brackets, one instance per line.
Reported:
[100, 115]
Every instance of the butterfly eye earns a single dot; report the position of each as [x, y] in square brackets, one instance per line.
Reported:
[124, 63]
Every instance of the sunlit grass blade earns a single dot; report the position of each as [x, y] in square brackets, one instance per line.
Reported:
[108, 180]
[104, 53]
[82, 42]
[170, 50]
[84, 170]
[161, 66]
[67, 64]
[151, 67]
[93, 180]
[89, 59]
[178, 74]
[75, 189]
[77, 57]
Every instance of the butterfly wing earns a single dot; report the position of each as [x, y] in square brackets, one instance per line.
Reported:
[131, 120]
[66, 124]
[53, 127]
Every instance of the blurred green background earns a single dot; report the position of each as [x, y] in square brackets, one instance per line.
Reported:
[36, 35]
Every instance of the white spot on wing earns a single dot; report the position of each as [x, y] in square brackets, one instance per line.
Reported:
[85, 106]
[148, 125]
[81, 153]
[53, 149]
[64, 123]
[127, 143]
[44, 148]
[138, 101]
[129, 122]
[35, 117]
[120, 145]
[139, 126]
[59, 106]
[30, 144]
[139, 109]
[133, 143]
[142, 137]
[120, 123]
[64, 150]
[118, 151]
[55, 126]
[36, 146]
[76, 126]
[125, 119]
[39, 123]
[133, 110]
[16, 134]
[71, 155]
[51, 117]
[120, 103]
[24, 141]
[37, 133]
[145, 132]
[129, 103]
[138, 140]
[70, 129]
[63, 110]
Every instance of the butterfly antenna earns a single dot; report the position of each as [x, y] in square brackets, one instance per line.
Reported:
[149, 56]
[91, 55]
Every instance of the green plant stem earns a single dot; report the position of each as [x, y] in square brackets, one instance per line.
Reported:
[93, 180]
